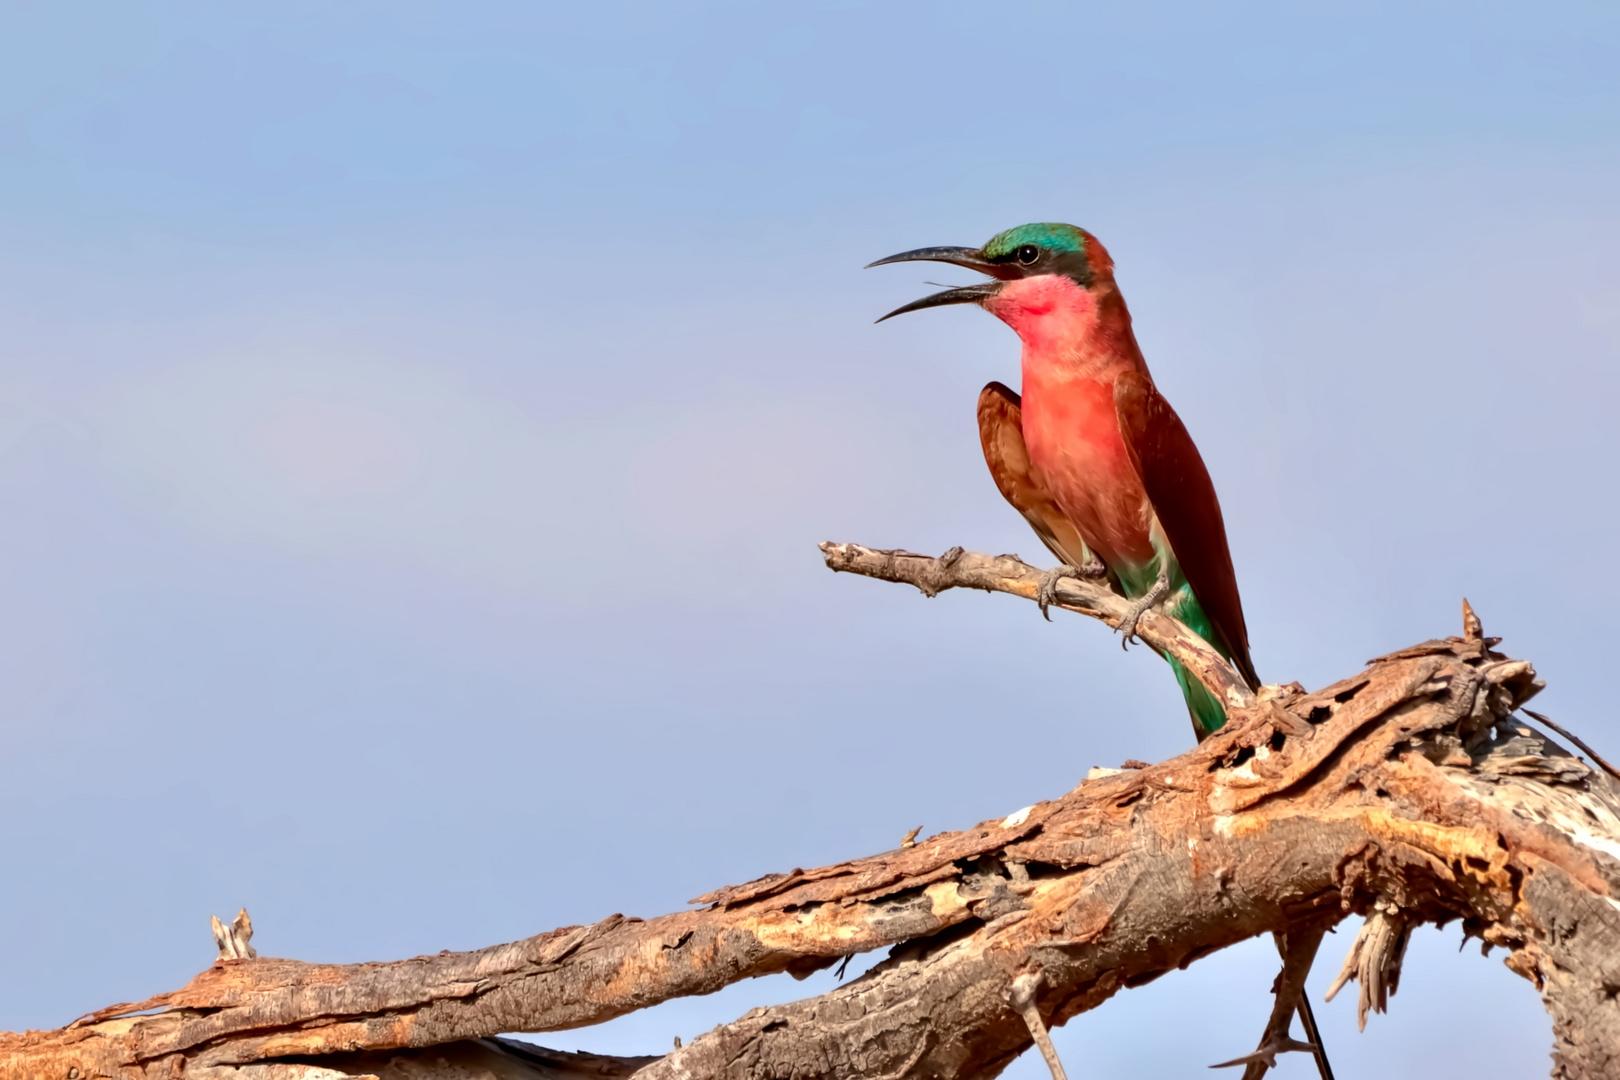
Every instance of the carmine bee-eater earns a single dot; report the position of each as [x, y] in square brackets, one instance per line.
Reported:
[1093, 456]
[1098, 462]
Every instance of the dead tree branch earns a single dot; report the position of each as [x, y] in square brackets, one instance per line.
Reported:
[958, 569]
[1409, 789]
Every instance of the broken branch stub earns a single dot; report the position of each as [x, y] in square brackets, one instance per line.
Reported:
[1374, 960]
[1416, 786]
[233, 940]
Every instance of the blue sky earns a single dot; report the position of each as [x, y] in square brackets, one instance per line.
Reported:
[417, 420]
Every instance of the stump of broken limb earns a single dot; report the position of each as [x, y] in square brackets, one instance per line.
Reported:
[1413, 792]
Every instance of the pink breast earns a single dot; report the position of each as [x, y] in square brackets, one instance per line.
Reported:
[1069, 421]
[1075, 446]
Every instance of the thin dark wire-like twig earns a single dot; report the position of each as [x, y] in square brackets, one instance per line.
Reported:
[1572, 737]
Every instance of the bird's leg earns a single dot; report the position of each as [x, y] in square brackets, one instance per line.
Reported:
[1046, 591]
[1298, 948]
[1160, 589]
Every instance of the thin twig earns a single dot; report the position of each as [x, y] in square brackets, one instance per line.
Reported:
[1021, 995]
[1591, 753]
[1298, 950]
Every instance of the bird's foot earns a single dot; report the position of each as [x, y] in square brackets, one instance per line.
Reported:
[1046, 591]
[1267, 1054]
[1139, 606]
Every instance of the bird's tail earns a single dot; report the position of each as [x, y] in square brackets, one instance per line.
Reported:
[1206, 712]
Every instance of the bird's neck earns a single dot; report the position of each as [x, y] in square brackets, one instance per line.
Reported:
[1069, 331]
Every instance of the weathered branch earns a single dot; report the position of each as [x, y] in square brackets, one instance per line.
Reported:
[958, 569]
[1409, 788]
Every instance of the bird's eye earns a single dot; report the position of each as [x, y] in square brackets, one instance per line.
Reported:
[1028, 253]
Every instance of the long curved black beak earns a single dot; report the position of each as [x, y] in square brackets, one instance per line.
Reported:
[966, 294]
[972, 258]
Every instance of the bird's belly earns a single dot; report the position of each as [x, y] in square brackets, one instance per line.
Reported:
[1076, 449]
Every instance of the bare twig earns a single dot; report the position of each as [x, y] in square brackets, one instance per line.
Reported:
[957, 569]
[1021, 996]
[1298, 950]
[1313, 1034]
[1597, 759]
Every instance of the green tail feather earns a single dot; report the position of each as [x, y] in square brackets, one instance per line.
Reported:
[1207, 713]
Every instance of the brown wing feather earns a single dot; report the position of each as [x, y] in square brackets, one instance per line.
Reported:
[1183, 498]
[1001, 433]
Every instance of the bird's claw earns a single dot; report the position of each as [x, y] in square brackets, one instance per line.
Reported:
[1139, 607]
[1127, 625]
[1046, 591]
[1268, 1053]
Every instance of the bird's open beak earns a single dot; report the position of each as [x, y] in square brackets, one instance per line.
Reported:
[971, 258]
[967, 294]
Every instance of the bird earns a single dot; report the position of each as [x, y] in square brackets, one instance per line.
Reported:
[1096, 460]
[1091, 453]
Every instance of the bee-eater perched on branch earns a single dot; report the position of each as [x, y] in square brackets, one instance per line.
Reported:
[1102, 468]
[1092, 455]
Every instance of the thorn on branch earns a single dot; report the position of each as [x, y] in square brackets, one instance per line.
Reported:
[910, 839]
[1473, 629]
[1374, 960]
[1267, 1054]
[233, 939]
[1021, 996]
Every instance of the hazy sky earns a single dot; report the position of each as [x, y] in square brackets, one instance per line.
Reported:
[417, 422]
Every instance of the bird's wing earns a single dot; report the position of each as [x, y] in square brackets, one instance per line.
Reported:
[1001, 432]
[1183, 497]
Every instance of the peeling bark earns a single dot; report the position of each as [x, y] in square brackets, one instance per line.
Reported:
[1411, 790]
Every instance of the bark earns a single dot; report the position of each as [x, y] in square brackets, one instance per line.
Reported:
[1409, 793]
